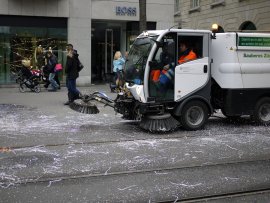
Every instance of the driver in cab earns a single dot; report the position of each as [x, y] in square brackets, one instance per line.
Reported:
[166, 76]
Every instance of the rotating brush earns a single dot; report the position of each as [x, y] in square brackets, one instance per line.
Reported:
[84, 107]
[159, 123]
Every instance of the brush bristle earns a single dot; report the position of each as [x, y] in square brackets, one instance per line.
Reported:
[159, 123]
[82, 107]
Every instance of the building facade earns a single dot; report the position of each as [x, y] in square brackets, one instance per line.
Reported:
[230, 15]
[96, 28]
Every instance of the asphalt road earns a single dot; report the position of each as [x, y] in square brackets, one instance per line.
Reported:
[50, 153]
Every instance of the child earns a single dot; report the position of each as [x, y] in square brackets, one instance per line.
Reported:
[118, 63]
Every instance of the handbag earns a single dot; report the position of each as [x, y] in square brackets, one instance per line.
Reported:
[58, 67]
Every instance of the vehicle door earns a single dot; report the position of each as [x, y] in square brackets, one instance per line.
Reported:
[192, 75]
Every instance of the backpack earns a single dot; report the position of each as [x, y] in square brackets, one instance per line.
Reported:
[80, 66]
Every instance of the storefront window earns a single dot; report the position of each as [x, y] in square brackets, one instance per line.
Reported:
[18, 43]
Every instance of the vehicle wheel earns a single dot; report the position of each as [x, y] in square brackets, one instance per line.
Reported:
[22, 87]
[194, 115]
[37, 89]
[262, 111]
[136, 114]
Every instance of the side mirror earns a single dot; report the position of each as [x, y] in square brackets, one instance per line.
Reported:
[160, 44]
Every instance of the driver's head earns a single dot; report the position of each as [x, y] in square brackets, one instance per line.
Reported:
[183, 46]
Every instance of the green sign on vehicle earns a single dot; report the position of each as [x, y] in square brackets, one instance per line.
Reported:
[254, 41]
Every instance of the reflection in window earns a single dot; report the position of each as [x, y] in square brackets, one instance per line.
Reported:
[29, 44]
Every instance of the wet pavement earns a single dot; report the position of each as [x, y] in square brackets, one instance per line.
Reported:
[50, 153]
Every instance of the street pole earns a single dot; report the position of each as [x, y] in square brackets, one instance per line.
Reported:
[142, 7]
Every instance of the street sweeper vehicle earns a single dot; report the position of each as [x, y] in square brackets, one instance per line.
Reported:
[231, 73]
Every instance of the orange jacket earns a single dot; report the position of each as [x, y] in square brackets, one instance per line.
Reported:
[155, 74]
[191, 56]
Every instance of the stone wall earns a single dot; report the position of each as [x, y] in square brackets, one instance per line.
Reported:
[229, 14]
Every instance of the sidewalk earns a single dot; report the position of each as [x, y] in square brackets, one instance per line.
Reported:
[46, 101]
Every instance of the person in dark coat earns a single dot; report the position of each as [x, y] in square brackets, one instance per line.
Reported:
[72, 74]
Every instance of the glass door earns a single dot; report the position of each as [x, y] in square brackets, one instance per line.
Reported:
[108, 52]
[106, 40]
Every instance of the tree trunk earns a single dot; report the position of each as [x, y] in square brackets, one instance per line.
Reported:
[142, 5]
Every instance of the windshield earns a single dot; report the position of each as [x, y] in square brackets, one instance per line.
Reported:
[136, 61]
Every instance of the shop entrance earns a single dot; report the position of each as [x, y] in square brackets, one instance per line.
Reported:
[106, 40]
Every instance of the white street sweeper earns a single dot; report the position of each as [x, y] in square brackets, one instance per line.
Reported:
[231, 73]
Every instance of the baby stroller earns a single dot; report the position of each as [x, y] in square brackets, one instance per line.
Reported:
[28, 79]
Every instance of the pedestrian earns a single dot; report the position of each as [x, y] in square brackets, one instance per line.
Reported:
[118, 62]
[39, 57]
[46, 71]
[72, 73]
[51, 62]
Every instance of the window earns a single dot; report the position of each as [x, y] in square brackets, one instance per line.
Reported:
[220, 29]
[20, 39]
[194, 43]
[217, 3]
[248, 25]
[161, 80]
[177, 6]
[194, 4]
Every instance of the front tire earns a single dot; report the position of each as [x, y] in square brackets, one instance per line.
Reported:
[37, 88]
[262, 111]
[22, 87]
[194, 115]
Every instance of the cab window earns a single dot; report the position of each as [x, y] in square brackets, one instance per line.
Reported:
[189, 48]
[161, 75]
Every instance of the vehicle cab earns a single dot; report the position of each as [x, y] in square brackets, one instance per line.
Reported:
[153, 50]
